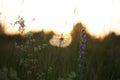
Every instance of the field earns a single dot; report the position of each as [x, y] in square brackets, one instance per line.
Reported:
[33, 57]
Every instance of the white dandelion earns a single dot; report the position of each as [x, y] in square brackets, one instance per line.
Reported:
[61, 40]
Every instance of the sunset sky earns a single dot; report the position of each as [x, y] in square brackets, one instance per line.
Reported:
[99, 16]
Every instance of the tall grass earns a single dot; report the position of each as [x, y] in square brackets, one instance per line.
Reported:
[32, 57]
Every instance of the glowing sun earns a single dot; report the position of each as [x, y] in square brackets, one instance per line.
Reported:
[99, 16]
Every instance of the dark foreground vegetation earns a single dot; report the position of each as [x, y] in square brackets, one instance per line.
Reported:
[33, 58]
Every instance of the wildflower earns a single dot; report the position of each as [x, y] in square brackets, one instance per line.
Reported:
[82, 53]
[61, 41]
[82, 44]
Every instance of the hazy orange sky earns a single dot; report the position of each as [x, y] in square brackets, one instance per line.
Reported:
[99, 16]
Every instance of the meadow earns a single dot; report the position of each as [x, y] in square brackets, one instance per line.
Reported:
[33, 57]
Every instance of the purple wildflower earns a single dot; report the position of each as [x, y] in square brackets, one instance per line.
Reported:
[82, 54]
[82, 45]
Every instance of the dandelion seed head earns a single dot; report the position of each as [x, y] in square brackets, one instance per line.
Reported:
[61, 41]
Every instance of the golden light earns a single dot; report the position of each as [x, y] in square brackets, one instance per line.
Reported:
[99, 16]
[48, 15]
[61, 40]
[96, 15]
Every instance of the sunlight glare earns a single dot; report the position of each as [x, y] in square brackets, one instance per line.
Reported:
[99, 16]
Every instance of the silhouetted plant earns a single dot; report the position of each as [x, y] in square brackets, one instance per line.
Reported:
[21, 23]
[82, 54]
